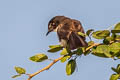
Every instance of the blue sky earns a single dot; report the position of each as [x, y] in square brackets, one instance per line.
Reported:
[23, 25]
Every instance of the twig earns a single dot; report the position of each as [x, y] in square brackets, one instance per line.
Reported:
[54, 61]
[95, 44]
[45, 68]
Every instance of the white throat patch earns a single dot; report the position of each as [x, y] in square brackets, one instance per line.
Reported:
[55, 30]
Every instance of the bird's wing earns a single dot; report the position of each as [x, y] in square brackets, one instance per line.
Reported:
[67, 27]
[64, 30]
[77, 27]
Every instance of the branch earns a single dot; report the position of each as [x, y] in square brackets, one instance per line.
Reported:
[45, 68]
[54, 61]
[95, 44]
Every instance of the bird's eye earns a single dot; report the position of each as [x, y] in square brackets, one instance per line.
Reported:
[53, 24]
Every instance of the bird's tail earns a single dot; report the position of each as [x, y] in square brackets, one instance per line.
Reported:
[76, 41]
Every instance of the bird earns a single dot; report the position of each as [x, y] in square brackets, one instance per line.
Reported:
[67, 30]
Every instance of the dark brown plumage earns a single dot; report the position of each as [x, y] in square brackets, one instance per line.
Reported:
[67, 30]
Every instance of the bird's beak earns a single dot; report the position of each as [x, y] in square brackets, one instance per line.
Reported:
[48, 33]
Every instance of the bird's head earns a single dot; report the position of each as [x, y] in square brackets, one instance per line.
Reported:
[54, 23]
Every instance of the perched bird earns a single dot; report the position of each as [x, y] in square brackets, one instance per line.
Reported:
[67, 30]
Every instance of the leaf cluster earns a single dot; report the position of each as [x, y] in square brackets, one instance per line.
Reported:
[108, 48]
[116, 74]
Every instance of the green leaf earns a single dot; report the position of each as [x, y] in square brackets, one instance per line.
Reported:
[118, 68]
[54, 46]
[115, 70]
[100, 55]
[64, 52]
[89, 32]
[117, 37]
[90, 43]
[104, 49]
[114, 77]
[15, 76]
[38, 57]
[83, 49]
[118, 55]
[101, 34]
[115, 31]
[107, 40]
[79, 51]
[87, 52]
[65, 58]
[94, 52]
[55, 49]
[70, 67]
[81, 34]
[115, 48]
[20, 70]
[113, 36]
[117, 26]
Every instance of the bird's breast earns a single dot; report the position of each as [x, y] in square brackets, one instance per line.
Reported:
[63, 42]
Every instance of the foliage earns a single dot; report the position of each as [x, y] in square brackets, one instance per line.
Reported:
[115, 76]
[19, 71]
[108, 48]
[70, 67]
[38, 57]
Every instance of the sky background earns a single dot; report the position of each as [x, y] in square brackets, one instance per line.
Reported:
[23, 25]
